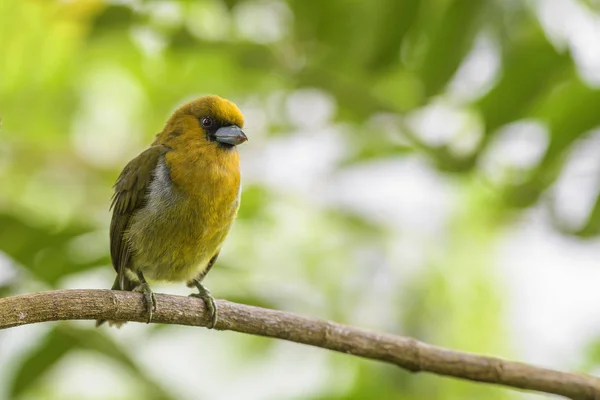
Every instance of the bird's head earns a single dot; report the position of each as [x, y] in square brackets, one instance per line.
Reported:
[205, 121]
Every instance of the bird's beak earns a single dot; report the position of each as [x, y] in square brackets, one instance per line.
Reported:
[231, 135]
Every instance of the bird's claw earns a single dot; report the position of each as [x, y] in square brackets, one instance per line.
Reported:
[149, 298]
[209, 301]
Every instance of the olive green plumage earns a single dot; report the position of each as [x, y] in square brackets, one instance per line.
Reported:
[174, 203]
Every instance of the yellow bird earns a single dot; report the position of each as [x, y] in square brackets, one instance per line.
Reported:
[174, 203]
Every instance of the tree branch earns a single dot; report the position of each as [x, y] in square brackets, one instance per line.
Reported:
[404, 352]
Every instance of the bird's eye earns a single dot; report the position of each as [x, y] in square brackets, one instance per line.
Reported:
[207, 122]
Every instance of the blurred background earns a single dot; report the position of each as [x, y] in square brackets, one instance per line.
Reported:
[427, 168]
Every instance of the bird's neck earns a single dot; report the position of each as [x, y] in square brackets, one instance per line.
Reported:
[207, 172]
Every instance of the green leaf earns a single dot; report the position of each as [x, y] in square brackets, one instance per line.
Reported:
[373, 150]
[571, 110]
[43, 250]
[113, 18]
[530, 66]
[592, 226]
[232, 3]
[355, 97]
[94, 340]
[591, 359]
[395, 20]
[64, 338]
[593, 5]
[37, 363]
[450, 41]
[329, 33]
[6, 290]
[254, 199]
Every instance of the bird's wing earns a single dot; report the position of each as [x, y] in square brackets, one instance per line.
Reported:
[131, 191]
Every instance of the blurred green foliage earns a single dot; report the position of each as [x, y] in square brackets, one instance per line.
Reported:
[85, 84]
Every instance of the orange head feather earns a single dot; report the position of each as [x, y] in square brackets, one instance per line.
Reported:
[198, 122]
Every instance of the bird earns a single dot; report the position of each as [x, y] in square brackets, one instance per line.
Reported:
[174, 204]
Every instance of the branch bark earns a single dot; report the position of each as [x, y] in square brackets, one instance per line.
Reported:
[405, 352]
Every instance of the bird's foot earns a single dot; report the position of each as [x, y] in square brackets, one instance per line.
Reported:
[209, 301]
[149, 298]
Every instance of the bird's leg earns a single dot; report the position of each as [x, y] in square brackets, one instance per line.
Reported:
[209, 301]
[204, 294]
[149, 297]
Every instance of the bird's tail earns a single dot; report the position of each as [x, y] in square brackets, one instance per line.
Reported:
[129, 285]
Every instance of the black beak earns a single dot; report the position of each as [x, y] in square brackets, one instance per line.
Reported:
[231, 135]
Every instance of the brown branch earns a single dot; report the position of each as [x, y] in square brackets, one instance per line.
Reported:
[404, 352]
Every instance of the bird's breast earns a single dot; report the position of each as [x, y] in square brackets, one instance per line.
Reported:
[191, 206]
